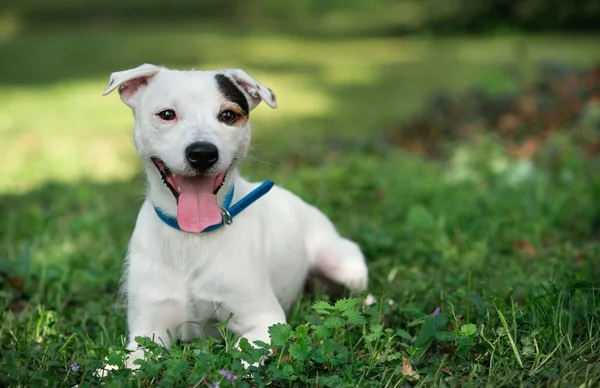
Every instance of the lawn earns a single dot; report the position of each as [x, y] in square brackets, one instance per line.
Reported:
[492, 262]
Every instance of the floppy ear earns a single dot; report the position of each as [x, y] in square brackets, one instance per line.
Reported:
[130, 81]
[254, 90]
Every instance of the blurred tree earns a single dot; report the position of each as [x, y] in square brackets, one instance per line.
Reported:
[323, 16]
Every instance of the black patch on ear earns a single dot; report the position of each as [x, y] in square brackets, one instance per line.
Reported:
[232, 92]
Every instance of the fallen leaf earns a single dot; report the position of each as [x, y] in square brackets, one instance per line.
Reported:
[448, 350]
[525, 151]
[15, 281]
[284, 358]
[18, 306]
[448, 371]
[526, 248]
[509, 123]
[407, 369]
[414, 146]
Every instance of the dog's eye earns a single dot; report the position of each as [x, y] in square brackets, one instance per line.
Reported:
[228, 117]
[167, 114]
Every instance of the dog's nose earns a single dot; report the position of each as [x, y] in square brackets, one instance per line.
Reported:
[202, 155]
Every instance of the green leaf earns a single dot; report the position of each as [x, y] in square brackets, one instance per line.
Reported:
[375, 333]
[115, 359]
[288, 371]
[432, 325]
[334, 322]
[318, 356]
[468, 329]
[404, 334]
[354, 317]
[332, 381]
[261, 344]
[176, 367]
[145, 342]
[345, 304]
[322, 307]
[301, 331]
[329, 346]
[245, 345]
[301, 350]
[445, 336]
[322, 331]
[280, 334]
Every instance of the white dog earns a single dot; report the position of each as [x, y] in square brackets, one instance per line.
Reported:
[207, 243]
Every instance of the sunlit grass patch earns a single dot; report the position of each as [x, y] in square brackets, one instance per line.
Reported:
[62, 132]
[68, 131]
[55, 125]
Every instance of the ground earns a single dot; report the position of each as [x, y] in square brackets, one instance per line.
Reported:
[492, 262]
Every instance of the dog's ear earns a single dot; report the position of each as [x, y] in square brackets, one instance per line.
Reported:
[254, 90]
[130, 81]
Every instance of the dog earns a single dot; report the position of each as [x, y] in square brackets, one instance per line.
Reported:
[208, 245]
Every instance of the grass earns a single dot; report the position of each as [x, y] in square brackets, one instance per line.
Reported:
[507, 249]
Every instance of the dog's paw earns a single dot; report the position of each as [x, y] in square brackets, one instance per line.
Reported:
[105, 370]
[263, 360]
[248, 373]
[129, 364]
[247, 365]
[369, 300]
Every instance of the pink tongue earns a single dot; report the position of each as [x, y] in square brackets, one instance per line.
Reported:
[197, 208]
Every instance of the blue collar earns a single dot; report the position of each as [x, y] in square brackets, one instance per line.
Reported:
[228, 211]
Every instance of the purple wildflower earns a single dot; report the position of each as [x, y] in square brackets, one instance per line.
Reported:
[228, 375]
[437, 311]
[214, 384]
[74, 367]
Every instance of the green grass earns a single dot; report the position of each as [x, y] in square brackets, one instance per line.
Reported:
[507, 249]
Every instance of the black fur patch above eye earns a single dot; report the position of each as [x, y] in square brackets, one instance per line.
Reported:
[232, 92]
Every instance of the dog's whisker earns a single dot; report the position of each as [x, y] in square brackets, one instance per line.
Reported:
[254, 159]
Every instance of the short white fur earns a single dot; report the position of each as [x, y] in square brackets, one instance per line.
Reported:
[256, 267]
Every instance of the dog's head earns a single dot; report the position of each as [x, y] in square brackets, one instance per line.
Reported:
[191, 128]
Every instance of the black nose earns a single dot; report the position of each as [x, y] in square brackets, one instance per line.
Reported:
[202, 155]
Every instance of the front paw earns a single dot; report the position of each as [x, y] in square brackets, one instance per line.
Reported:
[369, 300]
[105, 370]
[128, 361]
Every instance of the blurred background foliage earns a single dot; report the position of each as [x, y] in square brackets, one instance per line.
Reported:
[344, 17]
[349, 74]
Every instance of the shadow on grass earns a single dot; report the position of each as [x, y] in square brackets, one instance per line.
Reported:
[66, 242]
[62, 249]
[77, 53]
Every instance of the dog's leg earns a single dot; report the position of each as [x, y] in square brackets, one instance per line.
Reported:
[253, 323]
[152, 319]
[156, 320]
[334, 258]
[342, 262]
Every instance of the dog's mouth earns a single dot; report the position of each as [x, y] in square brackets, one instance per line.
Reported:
[196, 196]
